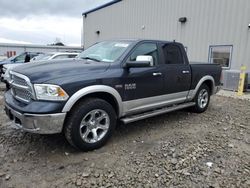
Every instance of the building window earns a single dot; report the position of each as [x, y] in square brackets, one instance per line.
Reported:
[221, 55]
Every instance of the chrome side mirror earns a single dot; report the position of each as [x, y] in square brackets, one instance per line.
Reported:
[145, 58]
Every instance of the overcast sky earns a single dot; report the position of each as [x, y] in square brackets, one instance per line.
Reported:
[42, 21]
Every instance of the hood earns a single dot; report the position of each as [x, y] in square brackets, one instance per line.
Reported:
[52, 70]
[11, 66]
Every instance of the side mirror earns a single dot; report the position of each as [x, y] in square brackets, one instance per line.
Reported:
[146, 58]
[141, 61]
[137, 64]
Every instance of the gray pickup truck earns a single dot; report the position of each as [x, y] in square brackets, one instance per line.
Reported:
[125, 80]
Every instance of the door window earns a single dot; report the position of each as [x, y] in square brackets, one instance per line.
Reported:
[61, 57]
[20, 58]
[72, 56]
[149, 49]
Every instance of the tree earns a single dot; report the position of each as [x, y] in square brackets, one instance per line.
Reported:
[57, 42]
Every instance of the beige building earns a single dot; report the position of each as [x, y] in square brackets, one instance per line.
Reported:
[214, 31]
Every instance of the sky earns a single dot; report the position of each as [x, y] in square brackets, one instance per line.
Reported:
[43, 21]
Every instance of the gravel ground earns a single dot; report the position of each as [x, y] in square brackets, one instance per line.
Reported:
[179, 149]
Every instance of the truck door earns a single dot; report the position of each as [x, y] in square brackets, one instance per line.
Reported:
[177, 72]
[142, 84]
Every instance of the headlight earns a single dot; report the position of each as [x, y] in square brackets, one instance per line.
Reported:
[50, 92]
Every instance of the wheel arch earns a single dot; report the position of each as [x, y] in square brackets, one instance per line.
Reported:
[208, 80]
[104, 92]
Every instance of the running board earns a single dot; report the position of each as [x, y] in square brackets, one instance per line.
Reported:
[157, 112]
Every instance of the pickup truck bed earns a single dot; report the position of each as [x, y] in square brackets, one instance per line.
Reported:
[200, 70]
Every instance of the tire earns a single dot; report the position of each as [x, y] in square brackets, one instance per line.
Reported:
[90, 124]
[202, 99]
[7, 86]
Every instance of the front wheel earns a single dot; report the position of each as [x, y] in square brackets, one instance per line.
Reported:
[202, 99]
[90, 124]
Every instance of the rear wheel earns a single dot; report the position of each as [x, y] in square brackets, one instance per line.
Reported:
[202, 99]
[90, 124]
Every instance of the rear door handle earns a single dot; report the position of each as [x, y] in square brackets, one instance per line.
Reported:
[157, 74]
[185, 72]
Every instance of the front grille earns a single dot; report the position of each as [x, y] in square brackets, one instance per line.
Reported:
[22, 94]
[19, 81]
[21, 87]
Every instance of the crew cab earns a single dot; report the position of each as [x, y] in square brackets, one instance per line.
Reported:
[125, 80]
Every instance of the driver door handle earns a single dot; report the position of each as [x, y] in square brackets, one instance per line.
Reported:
[185, 72]
[157, 74]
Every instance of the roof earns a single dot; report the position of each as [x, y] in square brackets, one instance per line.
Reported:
[38, 46]
[139, 40]
[100, 7]
[62, 53]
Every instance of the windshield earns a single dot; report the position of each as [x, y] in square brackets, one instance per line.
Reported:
[108, 51]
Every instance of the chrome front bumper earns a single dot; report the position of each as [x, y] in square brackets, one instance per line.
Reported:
[36, 123]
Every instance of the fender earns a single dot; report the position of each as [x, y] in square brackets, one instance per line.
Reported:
[93, 89]
[192, 93]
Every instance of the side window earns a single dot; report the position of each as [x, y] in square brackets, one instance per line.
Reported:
[61, 57]
[145, 49]
[172, 54]
[20, 58]
[72, 56]
[33, 55]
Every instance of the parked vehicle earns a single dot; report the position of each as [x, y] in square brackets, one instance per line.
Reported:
[126, 80]
[5, 77]
[55, 55]
[18, 59]
[2, 58]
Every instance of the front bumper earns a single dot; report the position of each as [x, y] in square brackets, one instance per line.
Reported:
[36, 123]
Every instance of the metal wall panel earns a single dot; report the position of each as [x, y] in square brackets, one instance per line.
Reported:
[210, 22]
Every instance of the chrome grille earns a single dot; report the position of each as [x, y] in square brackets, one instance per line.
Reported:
[22, 94]
[21, 87]
[19, 81]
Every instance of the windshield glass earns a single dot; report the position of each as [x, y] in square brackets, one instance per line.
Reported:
[108, 51]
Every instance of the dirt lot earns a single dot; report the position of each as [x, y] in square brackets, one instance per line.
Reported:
[179, 149]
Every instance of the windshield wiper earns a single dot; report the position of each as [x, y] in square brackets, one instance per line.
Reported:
[91, 58]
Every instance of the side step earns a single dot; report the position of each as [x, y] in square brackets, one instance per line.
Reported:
[157, 112]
